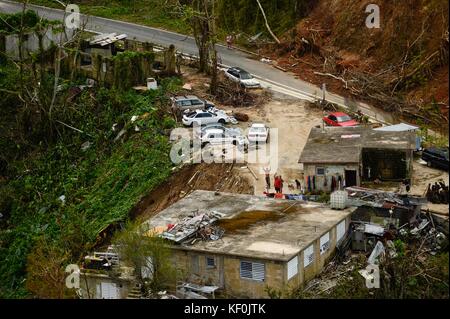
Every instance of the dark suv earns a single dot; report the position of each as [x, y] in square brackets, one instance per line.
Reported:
[437, 157]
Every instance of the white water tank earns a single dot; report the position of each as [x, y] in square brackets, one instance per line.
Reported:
[338, 200]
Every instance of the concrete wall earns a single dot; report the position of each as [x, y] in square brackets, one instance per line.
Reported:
[90, 285]
[31, 43]
[330, 170]
[226, 274]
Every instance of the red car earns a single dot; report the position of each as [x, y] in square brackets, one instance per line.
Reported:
[339, 119]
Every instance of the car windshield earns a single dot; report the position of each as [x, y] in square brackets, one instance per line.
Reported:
[245, 76]
[344, 118]
[191, 114]
[258, 129]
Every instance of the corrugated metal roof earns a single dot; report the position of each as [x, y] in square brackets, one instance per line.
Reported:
[397, 128]
[344, 144]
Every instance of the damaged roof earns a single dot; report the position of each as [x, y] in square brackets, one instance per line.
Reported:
[344, 144]
[255, 226]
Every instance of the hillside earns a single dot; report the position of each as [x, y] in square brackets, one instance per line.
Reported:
[401, 67]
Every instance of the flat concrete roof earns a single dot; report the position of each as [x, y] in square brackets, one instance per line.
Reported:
[255, 226]
[344, 144]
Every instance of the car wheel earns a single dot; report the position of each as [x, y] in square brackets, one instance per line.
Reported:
[222, 121]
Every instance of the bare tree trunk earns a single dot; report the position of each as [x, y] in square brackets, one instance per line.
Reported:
[267, 23]
[212, 45]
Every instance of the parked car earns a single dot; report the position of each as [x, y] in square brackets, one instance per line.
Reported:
[205, 117]
[436, 157]
[258, 133]
[190, 102]
[200, 131]
[242, 77]
[339, 119]
[216, 136]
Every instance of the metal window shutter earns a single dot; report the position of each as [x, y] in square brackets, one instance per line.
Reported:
[340, 230]
[258, 271]
[308, 256]
[210, 262]
[246, 270]
[324, 243]
[292, 267]
[250, 270]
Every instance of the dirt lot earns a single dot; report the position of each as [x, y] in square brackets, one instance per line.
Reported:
[290, 122]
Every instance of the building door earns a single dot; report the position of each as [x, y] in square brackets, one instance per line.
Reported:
[350, 178]
[109, 290]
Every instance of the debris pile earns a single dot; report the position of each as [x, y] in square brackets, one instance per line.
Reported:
[360, 196]
[193, 227]
[437, 193]
[229, 93]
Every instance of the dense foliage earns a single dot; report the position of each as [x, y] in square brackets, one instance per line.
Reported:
[101, 181]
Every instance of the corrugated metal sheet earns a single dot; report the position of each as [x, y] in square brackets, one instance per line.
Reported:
[292, 267]
[252, 270]
[308, 256]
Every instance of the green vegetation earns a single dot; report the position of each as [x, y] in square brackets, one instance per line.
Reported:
[154, 13]
[150, 256]
[233, 15]
[100, 184]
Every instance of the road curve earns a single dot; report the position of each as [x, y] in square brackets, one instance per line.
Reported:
[270, 77]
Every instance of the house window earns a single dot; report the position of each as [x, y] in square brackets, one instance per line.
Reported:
[292, 267]
[340, 231]
[308, 256]
[324, 243]
[253, 271]
[320, 171]
[210, 262]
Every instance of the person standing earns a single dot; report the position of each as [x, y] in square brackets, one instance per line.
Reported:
[267, 173]
[229, 40]
[281, 183]
[277, 184]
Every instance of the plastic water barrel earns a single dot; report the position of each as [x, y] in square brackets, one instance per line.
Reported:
[338, 200]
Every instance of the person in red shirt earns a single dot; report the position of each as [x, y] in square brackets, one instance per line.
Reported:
[277, 184]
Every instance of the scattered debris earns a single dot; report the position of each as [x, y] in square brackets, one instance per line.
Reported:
[437, 193]
[242, 117]
[62, 198]
[85, 146]
[198, 225]
[187, 86]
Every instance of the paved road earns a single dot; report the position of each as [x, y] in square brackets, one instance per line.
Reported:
[270, 77]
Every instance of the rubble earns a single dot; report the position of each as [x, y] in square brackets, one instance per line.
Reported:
[198, 225]
[437, 193]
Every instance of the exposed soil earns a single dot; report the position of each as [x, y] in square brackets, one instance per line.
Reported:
[412, 45]
[210, 177]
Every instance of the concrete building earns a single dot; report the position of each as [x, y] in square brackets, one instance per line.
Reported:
[267, 243]
[350, 155]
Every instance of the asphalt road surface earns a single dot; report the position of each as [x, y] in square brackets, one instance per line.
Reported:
[270, 77]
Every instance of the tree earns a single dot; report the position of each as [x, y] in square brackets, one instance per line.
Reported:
[149, 256]
[45, 271]
[267, 23]
[203, 20]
